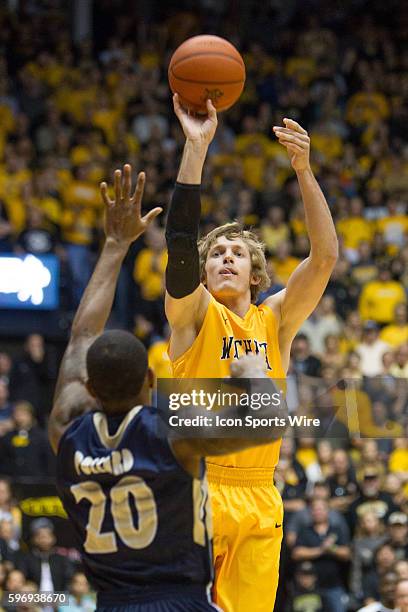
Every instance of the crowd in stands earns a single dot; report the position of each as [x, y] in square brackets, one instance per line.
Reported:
[71, 114]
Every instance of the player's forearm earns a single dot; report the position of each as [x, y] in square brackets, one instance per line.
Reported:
[319, 222]
[304, 553]
[342, 553]
[97, 300]
[192, 163]
[182, 227]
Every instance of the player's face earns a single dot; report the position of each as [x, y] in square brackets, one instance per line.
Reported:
[228, 268]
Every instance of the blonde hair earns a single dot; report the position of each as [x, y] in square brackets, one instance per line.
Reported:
[256, 249]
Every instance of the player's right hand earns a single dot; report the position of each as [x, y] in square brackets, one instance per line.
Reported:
[198, 130]
[248, 366]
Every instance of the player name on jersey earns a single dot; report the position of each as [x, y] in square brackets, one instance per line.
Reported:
[118, 462]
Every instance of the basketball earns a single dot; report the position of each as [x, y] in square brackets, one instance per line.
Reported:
[207, 67]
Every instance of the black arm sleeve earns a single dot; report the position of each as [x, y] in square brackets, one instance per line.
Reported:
[183, 266]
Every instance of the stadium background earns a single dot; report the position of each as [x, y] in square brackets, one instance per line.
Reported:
[83, 90]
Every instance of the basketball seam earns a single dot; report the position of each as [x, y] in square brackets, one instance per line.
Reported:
[207, 82]
[234, 59]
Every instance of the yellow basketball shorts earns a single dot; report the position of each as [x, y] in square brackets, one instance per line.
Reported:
[247, 514]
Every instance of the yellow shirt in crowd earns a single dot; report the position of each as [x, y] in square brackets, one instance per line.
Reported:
[149, 273]
[378, 300]
[284, 268]
[354, 230]
[394, 335]
[159, 360]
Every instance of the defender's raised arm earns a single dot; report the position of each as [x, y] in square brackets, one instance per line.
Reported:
[123, 225]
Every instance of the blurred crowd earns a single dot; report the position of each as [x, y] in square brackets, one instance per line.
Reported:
[71, 114]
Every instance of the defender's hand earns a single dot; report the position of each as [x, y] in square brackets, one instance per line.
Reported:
[249, 366]
[123, 220]
[198, 130]
[297, 143]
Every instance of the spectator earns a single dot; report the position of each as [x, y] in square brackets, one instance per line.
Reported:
[401, 595]
[150, 266]
[5, 367]
[80, 599]
[371, 497]
[9, 510]
[385, 600]
[365, 269]
[284, 263]
[398, 459]
[15, 581]
[6, 409]
[274, 230]
[399, 368]
[306, 595]
[303, 518]
[398, 534]
[158, 357]
[371, 350]
[42, 564]
[36, 238]
[331, 355]
[379, 297]
[394, 226]
[370, 535]
[9, 549]
[343, 483]
[354, 228]
[325, 457]
[329, 550]
[25, 450]
[396, 333]
[370, 458]
[290, 479]
[32, 375]
[3, 574]
[302, 359]
[401, 569]
[324, 322]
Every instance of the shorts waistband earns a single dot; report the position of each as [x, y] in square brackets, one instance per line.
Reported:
[151, 593]
[241, 477]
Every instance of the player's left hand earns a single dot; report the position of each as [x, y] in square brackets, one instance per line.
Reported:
[297, 143]
[248, 366]
[123, 220]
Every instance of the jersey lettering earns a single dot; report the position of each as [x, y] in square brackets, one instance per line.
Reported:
[229, 343]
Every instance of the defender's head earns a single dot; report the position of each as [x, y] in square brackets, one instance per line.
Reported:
[118, 373]
[232, 262]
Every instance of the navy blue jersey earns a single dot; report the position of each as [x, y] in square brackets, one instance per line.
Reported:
[140, 518]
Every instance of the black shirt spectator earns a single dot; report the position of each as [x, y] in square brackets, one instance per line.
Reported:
[303, 361]
[343, 484]
[49, 570]
[32, 376]
[25, 451]
[398, 534]
[371, 499]
[36, 238]
[306, 596]
[327, 548]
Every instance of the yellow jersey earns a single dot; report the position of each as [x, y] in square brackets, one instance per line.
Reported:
[223, 337]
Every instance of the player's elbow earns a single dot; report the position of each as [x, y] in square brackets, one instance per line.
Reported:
[325, 258]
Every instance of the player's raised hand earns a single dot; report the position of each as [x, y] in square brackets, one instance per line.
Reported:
[248, 366]
[123, 220]
[197, 129]
[297, 143]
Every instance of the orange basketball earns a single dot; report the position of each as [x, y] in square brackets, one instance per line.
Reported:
[207, 67]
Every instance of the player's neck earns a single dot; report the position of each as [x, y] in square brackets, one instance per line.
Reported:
[239, 305]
